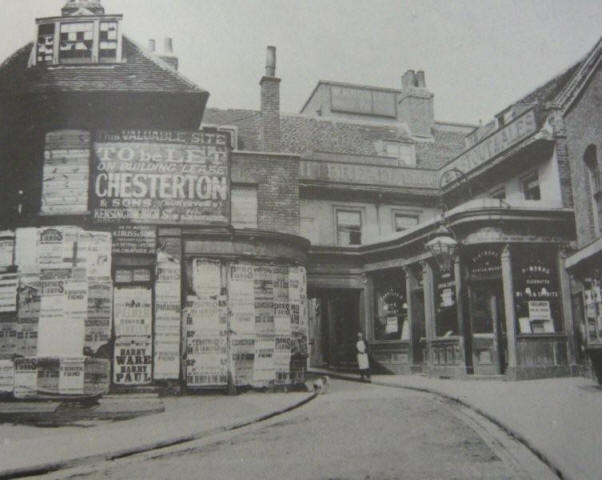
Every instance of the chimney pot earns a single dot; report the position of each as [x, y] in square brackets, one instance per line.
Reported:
[151, 44]
[270, 62]
[168, 45]
[420, 80]
[408, 79]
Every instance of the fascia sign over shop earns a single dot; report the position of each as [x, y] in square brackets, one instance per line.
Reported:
[112, 301]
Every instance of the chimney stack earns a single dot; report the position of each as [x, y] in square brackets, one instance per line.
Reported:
[416, 104]
[270, 105]
[167, 55]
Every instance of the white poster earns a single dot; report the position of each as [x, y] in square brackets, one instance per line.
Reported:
[263, 366]
[95, 248]
[99, 317]
[26, 248]
[241, 292]
[133, 311]
[132, 361]
[56, 247]
[8, 292]
[26, 378]
[206, 278]
[71, 376]
[167, 318]
[206, 362]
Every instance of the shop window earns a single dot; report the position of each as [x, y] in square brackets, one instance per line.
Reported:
[76, 41]
[403, 221]
[536, 291]
[391, 319]
[530, 185]
[590, 159]
[349, 227]
[244, 206]
[446, 319]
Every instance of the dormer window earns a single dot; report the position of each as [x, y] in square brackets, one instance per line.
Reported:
[76, 42]
[79, 39]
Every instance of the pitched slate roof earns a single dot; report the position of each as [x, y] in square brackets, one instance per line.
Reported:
[140, 71]
[302, 134]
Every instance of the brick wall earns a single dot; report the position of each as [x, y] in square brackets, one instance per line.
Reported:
[270, 113]
[583, 124]
[276, 177]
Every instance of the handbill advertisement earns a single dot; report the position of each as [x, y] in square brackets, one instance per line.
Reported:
[149, 176]
[134, 239]
[133, 311]
[167, 317]
[100, 313]
[242, 298]
[7, 376]
[264, 300]
[7, 248]
[133, 361]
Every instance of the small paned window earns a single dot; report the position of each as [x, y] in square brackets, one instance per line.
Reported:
[531, 189]
[404, 221]
[45, 47]
[349, 227]
[107, 48]
[76, 44]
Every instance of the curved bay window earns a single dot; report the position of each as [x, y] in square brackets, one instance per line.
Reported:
[536, 290]
[391, 316]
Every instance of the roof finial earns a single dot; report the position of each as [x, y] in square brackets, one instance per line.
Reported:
[82, 7]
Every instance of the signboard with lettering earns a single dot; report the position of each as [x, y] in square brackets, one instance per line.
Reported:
[504, 138]
[134, 239]
[161, 177]
[338, 172]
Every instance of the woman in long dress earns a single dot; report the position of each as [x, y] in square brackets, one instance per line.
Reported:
[362, 357]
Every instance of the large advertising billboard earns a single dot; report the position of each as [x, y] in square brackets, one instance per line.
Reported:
[161, 177]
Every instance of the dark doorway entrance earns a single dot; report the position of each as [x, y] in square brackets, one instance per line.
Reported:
[487, 327]
[340, 322]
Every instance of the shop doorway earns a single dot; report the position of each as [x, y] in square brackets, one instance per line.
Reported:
[487, 327]
[335, 326]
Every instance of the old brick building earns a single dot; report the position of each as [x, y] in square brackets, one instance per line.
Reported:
[196, 246]
[132, 238]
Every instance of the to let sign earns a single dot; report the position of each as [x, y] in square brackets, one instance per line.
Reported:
[161, 177]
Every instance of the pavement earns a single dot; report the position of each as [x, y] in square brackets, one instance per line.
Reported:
[31, 449]
[560, 419]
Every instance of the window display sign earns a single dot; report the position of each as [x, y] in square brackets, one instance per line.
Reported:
[536, 295]
[169, 177]
[446, 322]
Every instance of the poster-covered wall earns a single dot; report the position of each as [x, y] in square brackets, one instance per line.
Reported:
[256, 326]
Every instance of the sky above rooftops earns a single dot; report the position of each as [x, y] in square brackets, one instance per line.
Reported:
[478, 55]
